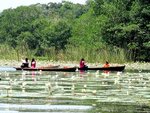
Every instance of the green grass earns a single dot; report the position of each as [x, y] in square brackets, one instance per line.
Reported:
[113, 55]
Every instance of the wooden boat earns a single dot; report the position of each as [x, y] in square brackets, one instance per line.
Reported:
[111, 68]
[69, 69]
[37, 68]
[73, 69]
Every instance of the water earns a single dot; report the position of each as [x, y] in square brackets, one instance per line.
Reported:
[62, 92]
[6, 68]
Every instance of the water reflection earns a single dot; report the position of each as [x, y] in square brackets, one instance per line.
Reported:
[92, 92]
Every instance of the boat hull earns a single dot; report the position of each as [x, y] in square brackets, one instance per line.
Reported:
[115, 68]
[73, 69]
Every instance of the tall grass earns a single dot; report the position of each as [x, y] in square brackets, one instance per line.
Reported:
[6, 52]
[114, 55]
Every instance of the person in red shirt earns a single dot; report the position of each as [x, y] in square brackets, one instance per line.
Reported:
[106, 65]
[82, 63]
[83, 67]
[33, 63]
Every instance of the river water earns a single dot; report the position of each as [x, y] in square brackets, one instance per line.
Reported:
[64, 92]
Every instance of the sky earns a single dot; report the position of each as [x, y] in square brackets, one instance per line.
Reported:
[5, 4]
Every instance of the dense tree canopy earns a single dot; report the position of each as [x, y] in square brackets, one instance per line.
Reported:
[120, 24]
[128, 26]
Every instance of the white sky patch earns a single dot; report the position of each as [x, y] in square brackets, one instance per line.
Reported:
[5, 4]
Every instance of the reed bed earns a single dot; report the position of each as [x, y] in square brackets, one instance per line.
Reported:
[70, 57]
[92, 55]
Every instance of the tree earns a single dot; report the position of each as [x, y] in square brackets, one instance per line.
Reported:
[57, 35]
[132, 34]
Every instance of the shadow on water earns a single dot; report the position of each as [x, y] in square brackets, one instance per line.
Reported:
[63, 92]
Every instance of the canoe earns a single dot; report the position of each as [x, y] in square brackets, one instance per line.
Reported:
[69, 69]
[73, 69]
[37, 68]
[111, 68]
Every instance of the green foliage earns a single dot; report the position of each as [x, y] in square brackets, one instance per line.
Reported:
[86, 31]
[113, 30]
[32, 28]
[57, 36]
[129, 34]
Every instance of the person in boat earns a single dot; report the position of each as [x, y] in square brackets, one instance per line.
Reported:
[25, 63]
[33, 63]
[82, 64]
[106, 65]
